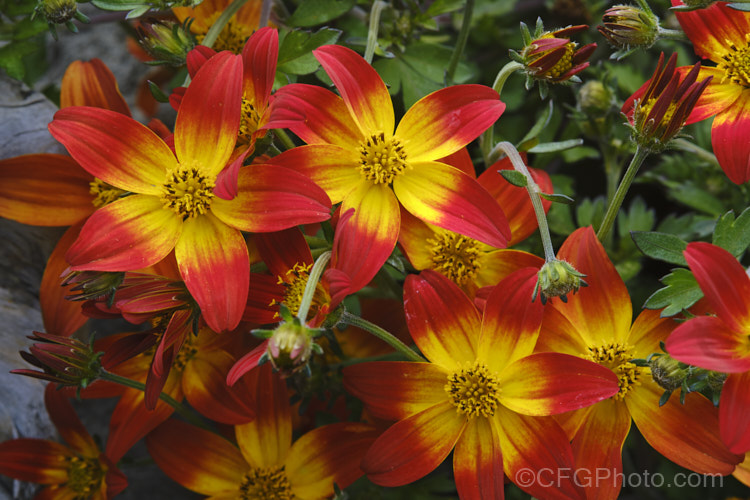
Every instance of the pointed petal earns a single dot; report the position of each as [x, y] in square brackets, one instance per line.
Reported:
[34, 460]
[686, 434]
[648, 331]
[44, 190]
[734, 419]
[246, 363]
[215, 266]
[396, 390]
[478, 462]
[316, 115]
[209, 116]
[446, 197]
[508, 337]
[414, 447]
[442, 320]
[259, 59]
[729, 139]
[360, 86]
[272, 198]
[67, 423]
[116, 149]
[262, 298]
[708, 342]
[558, 334]
[499, 264]
[130, 233]
[448, 119]
[716, 97]
[549, 383]
[197, 459]
[712, 30]
[327, 455]
[265, 442]
[281, 250]
[91, 83]
[461, 160]
[413, 241]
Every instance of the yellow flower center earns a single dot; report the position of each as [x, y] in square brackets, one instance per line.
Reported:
[381, 158]
[187, 191]
[618, 358]
[185, 354]
[474, 390]
[232, 37]
[249, 121]
[84, 476]
[736, 64]
[563, 64]
[103, 192]
[295, 281]
[266, 484]
[455, 256]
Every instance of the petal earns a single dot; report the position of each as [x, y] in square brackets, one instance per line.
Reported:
[272, 198]
[729, 139]
[264, 291]
[209, 116]
[197, 459]
[448, 119]
[712, 30]
[446, 197]
[215, 266]
[558, 334]
[282, 250]
[395, 390]
[549, 383]
[246, 363]
[360, 86]
[316, 115]
[734, 419]
[414, 447]
[716, 97]
[508, 337]
[44, 190]
[91, 83]
[686, 433]
[67, 423]
[413, 238]
[327, 455]
[603, 310]
[265, 442]
[648, 332]
[442, 320]
[708, 342]
[259, 59]
[499, 264]
[478, 462]
[333, 168]
[35, 460]
[130, 233]
[461, 160]
[115, 148]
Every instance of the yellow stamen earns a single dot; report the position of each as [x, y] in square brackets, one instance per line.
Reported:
[188, 191]
[474, 390]
[266, 484]
[736, 63]
[618, 358]
[104, 193]
[84, 476]
[455, 256]
[381, 158]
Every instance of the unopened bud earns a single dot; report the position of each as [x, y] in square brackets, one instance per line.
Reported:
[57, 11]
[668, 372]
[626, 26]
[90, 285]
[290, 346]
[594, 97]
[557, 278]
[166, 41]
[64, 360]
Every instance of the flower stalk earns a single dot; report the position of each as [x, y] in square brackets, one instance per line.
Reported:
[348, 318]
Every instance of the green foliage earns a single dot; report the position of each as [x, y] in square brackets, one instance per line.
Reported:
[661, 246]
[295, 49]
[681, 291]
[315, 12]
[733, 234]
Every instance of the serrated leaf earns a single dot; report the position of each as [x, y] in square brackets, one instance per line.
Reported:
[590, 212]
[558, 198]
[733, 235]
[295, 49]
[681, 292]
[552, 147]
[514, 177]
[660, 246]
[315, 12]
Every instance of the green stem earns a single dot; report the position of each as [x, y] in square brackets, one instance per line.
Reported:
[533, 190]
[612, 170]
[350, 319]
[284, 138]
[668, 34]
[614, 205]
[372, 32]
[179, 408]
[265, 13]
[487, 138]
[312, 282]
[223, 19]
[463, 37]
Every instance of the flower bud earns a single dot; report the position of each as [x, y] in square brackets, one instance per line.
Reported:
[64, 360]
[551, 56]
[626, 26]
[290, 347]
[92, 284]
[57, 11]
[166, 41]
[668, 372]
[557, 278]
[594, 97]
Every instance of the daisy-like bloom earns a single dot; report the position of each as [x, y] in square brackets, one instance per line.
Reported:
[355, 155]
[78, 470]
[483, 392]
[237, 30]
[173, 205]
[721, 342]
[267, 465]
[595, 324]
[722, 34]
[552, 57]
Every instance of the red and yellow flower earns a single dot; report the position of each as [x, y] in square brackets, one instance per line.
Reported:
[234, 34]
[595, 324]
[484, 393]
[721, 342]
[173, 205]
[722, 34]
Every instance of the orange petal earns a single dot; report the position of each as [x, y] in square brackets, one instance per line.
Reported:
[413, 240]
[67, 423]
[716, 97]
[478, 462]
[708, 342]
[648, 331]
[34, 460]
[91, 83]
[559, 334]
[259, 59]
[729, 139]
[733, 414]
[712, 30]
[499, 264]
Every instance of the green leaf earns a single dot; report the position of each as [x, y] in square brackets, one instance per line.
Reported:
[733, 235]
[443, 7]
[314, 12]
[12, 57]
[540, 124]
[514, 177]
[590, 212]
[158, 94]
[739, 6]
[660, 246]
[117, 5]
[558, 198]
[681, 292]
[295, 49]
[552, 147]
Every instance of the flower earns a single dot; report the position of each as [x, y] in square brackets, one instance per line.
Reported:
[550, 56]
[173, 205]
[595, 324]
[720, 342]
[78, 470]
[626, 26]
[165, 41]
[353, 153]
[722, 34]
[482, 393]
[234, 34]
